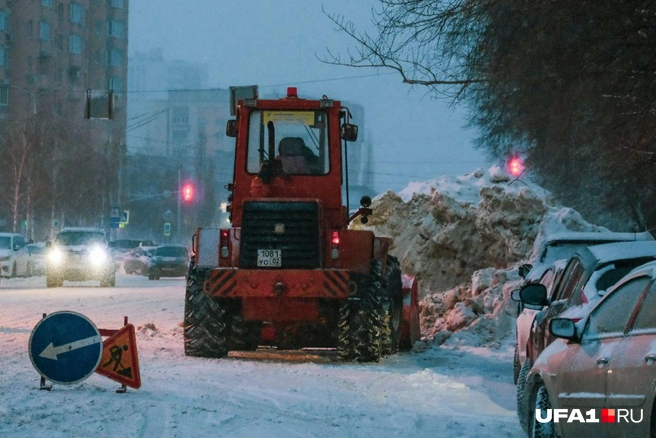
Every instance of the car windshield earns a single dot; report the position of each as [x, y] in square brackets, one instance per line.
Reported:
[172, 251]
[79, 238]
[301, 141]
[5, 242]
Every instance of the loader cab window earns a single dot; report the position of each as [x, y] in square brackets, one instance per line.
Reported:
[301, 141]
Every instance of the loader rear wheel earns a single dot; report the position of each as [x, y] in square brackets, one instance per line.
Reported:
[392, 308]
[360, 320]
[205, 321]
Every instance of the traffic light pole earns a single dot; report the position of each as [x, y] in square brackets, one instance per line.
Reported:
[177, 232]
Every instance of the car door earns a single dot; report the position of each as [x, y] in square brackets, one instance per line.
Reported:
[582, 378]
[632, 371]
[21, 256]
[540, 336]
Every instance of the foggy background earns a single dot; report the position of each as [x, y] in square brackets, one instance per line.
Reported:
[275, 44]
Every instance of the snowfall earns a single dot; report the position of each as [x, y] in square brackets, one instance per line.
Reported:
[462, 237]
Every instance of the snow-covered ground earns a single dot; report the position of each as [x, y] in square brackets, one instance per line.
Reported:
[443, 391]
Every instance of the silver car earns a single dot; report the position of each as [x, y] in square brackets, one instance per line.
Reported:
[601, 373]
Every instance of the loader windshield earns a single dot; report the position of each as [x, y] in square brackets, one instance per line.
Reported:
[301, 141]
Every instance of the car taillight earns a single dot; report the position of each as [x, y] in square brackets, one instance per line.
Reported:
[334, 245]
[223, 244]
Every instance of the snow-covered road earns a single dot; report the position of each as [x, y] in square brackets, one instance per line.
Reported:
[439, 392]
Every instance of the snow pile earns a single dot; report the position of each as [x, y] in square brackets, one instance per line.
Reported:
[463, 238]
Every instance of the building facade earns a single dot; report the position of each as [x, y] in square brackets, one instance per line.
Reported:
[51, 52]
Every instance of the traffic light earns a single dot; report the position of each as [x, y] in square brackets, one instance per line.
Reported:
[515, 166]
[188, 192]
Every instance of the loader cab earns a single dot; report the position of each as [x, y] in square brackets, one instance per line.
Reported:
[290, 148]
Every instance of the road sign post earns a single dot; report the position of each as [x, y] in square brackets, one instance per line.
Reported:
[65, 347]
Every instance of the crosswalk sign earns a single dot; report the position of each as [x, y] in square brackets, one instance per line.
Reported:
[119, 360]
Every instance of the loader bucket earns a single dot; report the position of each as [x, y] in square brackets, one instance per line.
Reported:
[410, 329]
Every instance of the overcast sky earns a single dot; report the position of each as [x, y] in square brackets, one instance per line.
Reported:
[276, 43]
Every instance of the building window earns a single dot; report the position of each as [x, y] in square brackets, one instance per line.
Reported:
[115, 84]
[116, 4]
[44, 31]
[179, 135]
[3, 20]
[75, 44]
[3, 56]
[76, 13]
[4, 95]
[115, 28]
[60, 11]
[180, 115]
[115, 58]
[47, 3]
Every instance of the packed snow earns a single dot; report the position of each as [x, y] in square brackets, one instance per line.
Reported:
[464, 238]
[459, 392]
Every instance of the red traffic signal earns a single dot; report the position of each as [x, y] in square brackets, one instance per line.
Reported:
[188, 192]
[515, 166]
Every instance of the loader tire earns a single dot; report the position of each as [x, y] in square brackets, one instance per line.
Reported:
[392, 314]
[206, 323]
[243, 335]
[360, 320]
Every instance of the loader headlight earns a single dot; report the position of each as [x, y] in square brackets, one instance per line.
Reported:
[97, 255]
[56, 256]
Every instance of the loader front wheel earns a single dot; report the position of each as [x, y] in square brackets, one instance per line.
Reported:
[205, 321]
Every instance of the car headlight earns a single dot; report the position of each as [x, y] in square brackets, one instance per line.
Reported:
[97, 255]
[56, 256]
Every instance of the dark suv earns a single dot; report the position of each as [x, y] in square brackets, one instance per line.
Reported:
[80, 254]
[168, 261]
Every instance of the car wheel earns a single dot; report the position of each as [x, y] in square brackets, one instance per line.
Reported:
[542, 404]
[516, 366]
[522, 411]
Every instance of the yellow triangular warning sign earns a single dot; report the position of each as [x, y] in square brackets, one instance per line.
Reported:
[119, 359]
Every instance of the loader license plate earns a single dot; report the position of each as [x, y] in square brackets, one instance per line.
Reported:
[269, 258]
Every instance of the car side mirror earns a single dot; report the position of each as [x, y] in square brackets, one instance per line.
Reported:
[563, 328]
[231, 128]
[524, 269]
[349, 132]
[48, 243]
[514, 295]
[534, 294]
[16, 247]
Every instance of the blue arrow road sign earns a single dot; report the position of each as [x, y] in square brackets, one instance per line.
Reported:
[65, 347]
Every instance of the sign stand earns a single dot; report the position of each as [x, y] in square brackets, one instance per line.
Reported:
[42, 385]
[118, 359]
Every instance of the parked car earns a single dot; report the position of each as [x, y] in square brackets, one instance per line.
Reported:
[80, 254]
[36, 264]
[169, 261]
[13, 256]
[550, 279]
[559, 246]
[605, 361]
[138, 260]
[588, 274]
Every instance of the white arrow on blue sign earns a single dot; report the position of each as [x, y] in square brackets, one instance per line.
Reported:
[65, 347]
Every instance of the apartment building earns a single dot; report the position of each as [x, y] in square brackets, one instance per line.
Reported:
[52, 51]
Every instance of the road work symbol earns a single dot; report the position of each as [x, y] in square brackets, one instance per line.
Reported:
[65, 347]
[119, 358]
